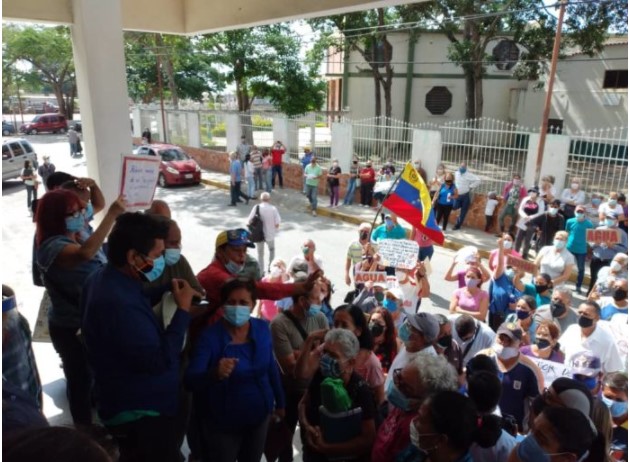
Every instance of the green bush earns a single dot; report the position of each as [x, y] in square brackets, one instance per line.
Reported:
[259, 121]
[219, 130]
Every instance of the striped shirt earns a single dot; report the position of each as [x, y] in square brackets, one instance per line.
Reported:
[355, 252]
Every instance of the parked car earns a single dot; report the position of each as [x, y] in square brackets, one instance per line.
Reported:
[14, 152]
[55, 123]
[177, 167]
[7, 128]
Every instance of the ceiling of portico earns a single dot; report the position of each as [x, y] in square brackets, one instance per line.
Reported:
[192, 16]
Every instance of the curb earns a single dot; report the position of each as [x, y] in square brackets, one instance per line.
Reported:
[326, 212]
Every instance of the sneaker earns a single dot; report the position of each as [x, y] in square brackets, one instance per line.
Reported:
[314, 214]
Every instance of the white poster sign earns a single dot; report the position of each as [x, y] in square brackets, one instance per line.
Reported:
[398, 253]
[552, 370]
[138, 180]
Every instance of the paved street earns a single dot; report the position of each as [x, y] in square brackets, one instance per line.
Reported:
[201, 212]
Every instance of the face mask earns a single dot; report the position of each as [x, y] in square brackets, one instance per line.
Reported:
[355, 162]
[471, 283]
[553, 211]
[510, 273]
[516, 182]
[529, 450]
[404, 333]
[172, 256]
[616, 408]
[329, 366]
[559, 244]
[505, 352]
[507, 245]
[542, 343]
[521, 314]
[75, 224]
[574, 185]
[379, 296]
[236, 315]
[589, 382]
[557, 309]
[539, 288]
[276, 272]
[609, 222]
[612, 202]
[89, 211]
[305, 250]
[364, 235]
[448, 182]
[445, 341]
[580, 216]
[397, 398]
[596, 201]
[615, 266]
[151, 272]
[389, 305]
[388, 222]
[234, 268]
[462, 170]
[376, 329]
[313, 310]
[619, 295]
[585, 322]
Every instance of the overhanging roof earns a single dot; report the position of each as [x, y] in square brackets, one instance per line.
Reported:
[191, 17]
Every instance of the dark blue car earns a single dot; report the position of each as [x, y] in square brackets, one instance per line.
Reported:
[7, 128]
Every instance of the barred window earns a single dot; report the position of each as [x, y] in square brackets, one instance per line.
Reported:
[438, 100]
[615, 79]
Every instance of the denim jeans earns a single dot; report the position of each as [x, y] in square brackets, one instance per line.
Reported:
[580, 258]
[277, 170]
[251, 186]
[236, 193]
[426, 252]
[349, 195]
[258, 174]
[464, 202]
[268, 179]
[311, 193]
[31, 195]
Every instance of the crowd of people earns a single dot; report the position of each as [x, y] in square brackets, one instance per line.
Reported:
[236, 357]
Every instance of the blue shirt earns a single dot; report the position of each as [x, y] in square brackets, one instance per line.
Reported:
[381, 232]
[529, 289]
[500, 290]
[444, 191]
[608, 253]
[608, 311]
[576, 235]
[235, 169]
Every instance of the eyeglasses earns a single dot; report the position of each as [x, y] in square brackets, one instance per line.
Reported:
[76, 213]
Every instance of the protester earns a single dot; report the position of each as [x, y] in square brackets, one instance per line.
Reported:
[490, 210]
[367, 181]
[384, 334]
[277, 157]
[267, 170]
[426, 248]
[444, 199]
[352, 181]
[249, 172]
[472, 262]
[471, 335]
[435, 183]
[465, 182]
[243, 148]
[334, 182]
[548, 224]
[158, 207]
[308, 262]
[555, 260]
[559, 310]
[524, 318]
[591, 208]
[46, 169]
[356, 251]
[233, 371]
[513, 192]
[270, 224]
[502, 292]
[571, 198]
[390, 229]
[29, 177]
[326, 291]
[548, 192]
[471, 299]
[545, 345]
[577, 243]
[615, 398]
[530, 208]
[611, 206]
[607, 275]
[446, 346]
[541, 288]
[256, 160]
[146, 136]
[604, 252]
[586, 368]
[313, 173]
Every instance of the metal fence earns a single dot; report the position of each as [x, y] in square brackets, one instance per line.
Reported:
[213, 130]
[310, 130]
[149, 119]
[382, 138]
[257, 127]
[177, 127]
[599, 159]
[493, 149]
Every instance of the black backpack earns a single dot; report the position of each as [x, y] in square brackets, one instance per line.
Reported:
[256, 227]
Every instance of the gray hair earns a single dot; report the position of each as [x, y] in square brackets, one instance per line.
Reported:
[564, 292]
[346, 339]
[265, 197]
[435, 373]
[621, 258]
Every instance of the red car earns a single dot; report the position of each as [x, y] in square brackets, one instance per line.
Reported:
[177, 167]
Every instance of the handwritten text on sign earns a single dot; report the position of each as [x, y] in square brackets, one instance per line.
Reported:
[398, 253]
[138, 181]
[552, 370]
[376, 277]
[603, 235]
[520, 264]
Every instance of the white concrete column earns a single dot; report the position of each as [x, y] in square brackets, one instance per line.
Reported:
[161, 135]
[281, 132]
[102, 88]
[137, 122]
[531, 159]
[342, 145]
[554, 162]
[427, 149]
[194, 129]
[233, 131]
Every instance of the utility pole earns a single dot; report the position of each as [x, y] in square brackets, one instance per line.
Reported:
[161, 96]
[549, 92]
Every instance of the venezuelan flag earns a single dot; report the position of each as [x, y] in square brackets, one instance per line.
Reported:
[410, 200]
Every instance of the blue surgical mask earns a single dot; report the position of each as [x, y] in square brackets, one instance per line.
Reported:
[510, 273]
[236, 315]
[404, 333]
[234, 268]
[75, 224]
[153, 272]
[462, 170]
[609, 222]
[389, 305]
[529, 450]
[388, 222]
[612, 202]
[580, 216]
[313, 310]
[559, 244]
[89, 211]
[396, 398]
[616, 408]
[172, 256]
[329, 366]
[596, 201]
[589, 382]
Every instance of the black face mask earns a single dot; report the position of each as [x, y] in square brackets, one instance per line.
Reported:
[542, 343]
[448, 181]
[585, 322]
[557, 309]
[541, 288]
[376, 329]
[619, 295]
[445, 341]
[363, 236]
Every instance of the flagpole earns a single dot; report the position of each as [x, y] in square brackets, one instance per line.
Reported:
[385, 196]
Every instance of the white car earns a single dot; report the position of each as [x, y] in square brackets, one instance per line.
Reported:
[14, 152]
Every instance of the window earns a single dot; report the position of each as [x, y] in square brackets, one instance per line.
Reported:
[438, 100]
[17, 149]
[506, 54]
[555, 126]
[6, 154]
[615, 79]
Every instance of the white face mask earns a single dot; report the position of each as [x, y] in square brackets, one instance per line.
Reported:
[505, 352]
[574, 185]
[615, 266]
[507, 245]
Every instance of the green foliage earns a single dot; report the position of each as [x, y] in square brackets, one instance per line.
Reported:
[259, 121]
[219, 130]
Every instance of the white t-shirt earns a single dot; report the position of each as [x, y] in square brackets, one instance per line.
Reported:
[604, 209]
[600, 342]
[490, 207]
[554, 263]
[270, 219]
[300, 260]
[499, 452]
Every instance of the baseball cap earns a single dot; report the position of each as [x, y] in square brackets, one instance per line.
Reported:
[234, 237]
[425, 323]
[396, 292]
[585, 363]
[511, 330]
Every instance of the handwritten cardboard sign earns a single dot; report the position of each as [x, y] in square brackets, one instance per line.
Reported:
[520, 264]
[375, 277]
[138, 180]
[552, 370]
[398, 253]
[611, 235]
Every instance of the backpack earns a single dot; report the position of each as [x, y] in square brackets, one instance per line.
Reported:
[256, 227]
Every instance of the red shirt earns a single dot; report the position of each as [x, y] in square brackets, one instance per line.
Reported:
[277, 154]
[371, 175]
[393, 435]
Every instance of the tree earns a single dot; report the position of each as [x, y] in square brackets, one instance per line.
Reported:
[49, 52]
